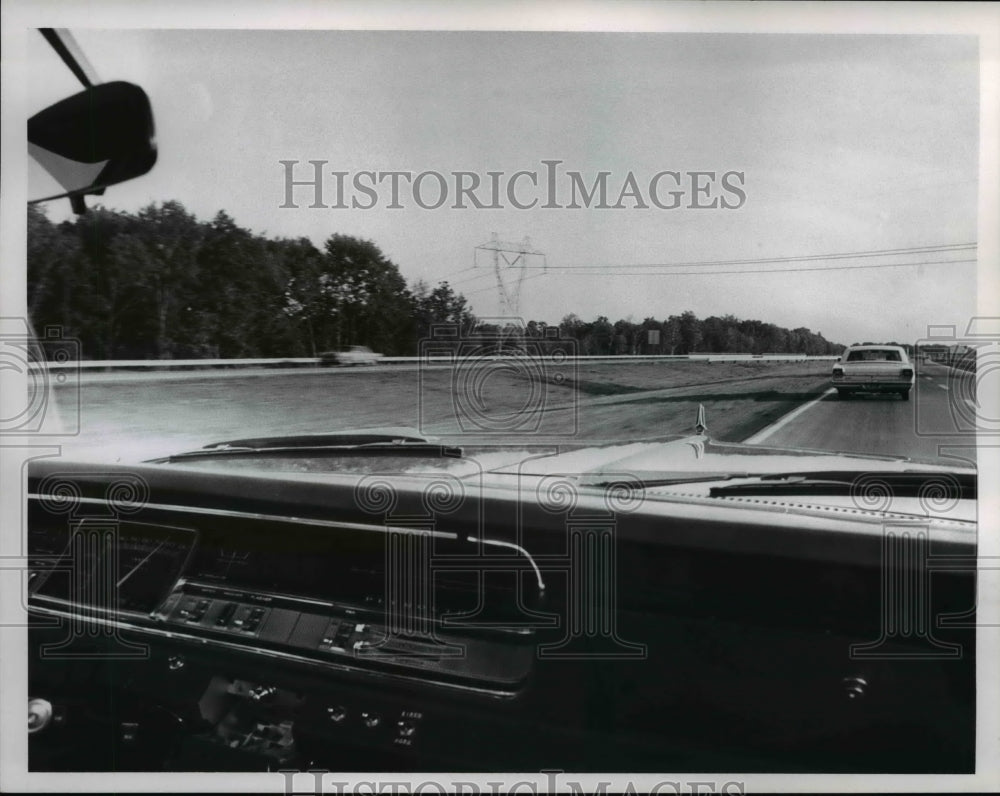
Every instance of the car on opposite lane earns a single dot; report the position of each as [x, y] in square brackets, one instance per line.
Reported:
[354, 355]
[873, 369]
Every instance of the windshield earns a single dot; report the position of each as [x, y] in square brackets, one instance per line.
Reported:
[509, 393]
[513, 283]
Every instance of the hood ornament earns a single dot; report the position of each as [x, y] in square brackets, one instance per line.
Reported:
[700, 426]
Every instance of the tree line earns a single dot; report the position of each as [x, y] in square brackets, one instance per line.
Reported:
[160, 284]
[687, 334]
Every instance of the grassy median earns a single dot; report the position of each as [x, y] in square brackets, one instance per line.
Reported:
[600, 401]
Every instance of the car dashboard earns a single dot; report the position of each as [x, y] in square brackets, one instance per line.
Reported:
[186, 620]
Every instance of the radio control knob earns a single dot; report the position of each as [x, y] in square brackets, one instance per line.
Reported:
[337, 713]
[855, 688]
[260, 692]
[39, 714]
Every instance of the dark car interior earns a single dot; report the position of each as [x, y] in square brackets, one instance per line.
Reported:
[186, 620]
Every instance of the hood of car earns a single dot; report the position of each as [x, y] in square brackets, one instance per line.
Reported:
[677, 455]
[699, 454]
[679, 468]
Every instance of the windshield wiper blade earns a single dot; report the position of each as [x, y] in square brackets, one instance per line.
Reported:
[343, 438]
[394, 448]
[645, 483]
[913, 483]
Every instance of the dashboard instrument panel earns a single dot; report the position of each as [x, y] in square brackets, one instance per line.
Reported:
[114, 566]
[292, 634]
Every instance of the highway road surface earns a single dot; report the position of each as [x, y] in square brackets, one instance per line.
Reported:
[937, 422]
[136, 416]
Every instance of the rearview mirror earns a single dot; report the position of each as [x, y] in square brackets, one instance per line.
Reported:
[102, 136]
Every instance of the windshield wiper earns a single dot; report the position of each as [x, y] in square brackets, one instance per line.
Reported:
[641, 482]
[913, 483]
[346, 438]
[317, 446]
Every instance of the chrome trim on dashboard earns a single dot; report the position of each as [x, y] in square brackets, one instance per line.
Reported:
[284, 656]
[353, 526]
[253, 515]
[519, 549]
[222, 587]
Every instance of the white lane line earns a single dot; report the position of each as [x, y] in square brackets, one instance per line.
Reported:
[942, 386]
[762, 435]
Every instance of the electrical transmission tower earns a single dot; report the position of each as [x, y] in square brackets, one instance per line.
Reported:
[510, 262]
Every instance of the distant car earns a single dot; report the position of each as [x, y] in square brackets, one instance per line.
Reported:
[355, 355]
[874, 369]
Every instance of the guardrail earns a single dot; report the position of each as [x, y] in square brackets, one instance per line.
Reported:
[295, 362]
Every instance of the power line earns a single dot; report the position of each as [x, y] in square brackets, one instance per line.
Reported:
[491, 287]
[472, 278]
[761, 270]
[936, 249]
[446, 277]
[930, 249]
[782, 270]
[613, 270]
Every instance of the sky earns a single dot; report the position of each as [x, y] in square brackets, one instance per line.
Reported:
[839, 144]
